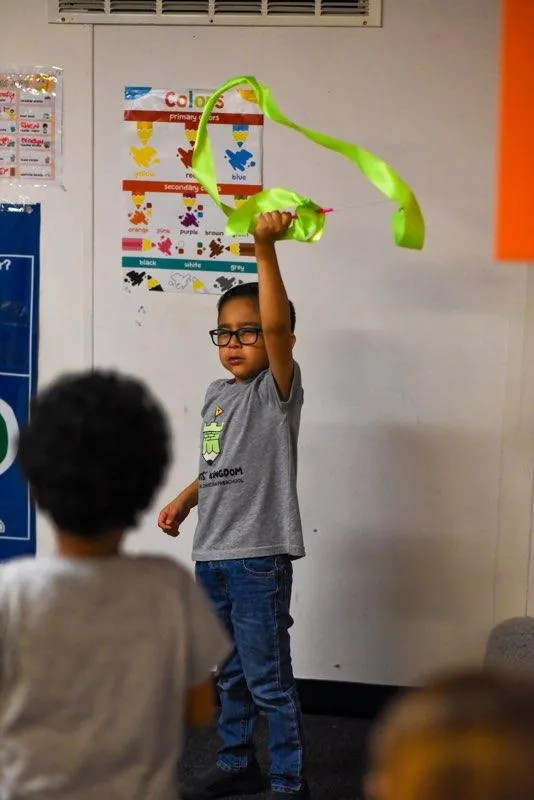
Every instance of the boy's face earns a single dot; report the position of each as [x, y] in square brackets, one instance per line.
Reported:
[244, 361]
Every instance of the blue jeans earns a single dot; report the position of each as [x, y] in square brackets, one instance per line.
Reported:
[252, 598]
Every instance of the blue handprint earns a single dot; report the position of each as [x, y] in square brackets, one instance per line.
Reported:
[239, 159]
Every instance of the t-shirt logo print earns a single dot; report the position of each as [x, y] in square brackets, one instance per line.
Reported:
[211, 438]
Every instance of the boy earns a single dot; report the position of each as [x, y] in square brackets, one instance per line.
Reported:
[463, 735]
[249, 527]
[102, 655]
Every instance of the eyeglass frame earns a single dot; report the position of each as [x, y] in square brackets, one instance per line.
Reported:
[258, 331]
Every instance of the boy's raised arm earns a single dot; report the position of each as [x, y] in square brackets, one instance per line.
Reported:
[274, 304]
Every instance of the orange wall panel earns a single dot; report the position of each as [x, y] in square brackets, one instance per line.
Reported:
[514, 240]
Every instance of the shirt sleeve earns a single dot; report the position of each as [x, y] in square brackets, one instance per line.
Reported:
[209, 644]
[212, 392]
[268, 390]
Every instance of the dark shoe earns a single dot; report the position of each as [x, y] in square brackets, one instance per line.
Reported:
[217, 782]
[302, 794]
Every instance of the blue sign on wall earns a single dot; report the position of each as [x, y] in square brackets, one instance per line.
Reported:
[19, 315]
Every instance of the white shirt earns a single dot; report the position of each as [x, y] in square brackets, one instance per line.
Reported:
[96, 657]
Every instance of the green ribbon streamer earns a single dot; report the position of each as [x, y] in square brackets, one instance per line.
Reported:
[408, 223]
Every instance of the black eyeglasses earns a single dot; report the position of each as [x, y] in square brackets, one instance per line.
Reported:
[221, 337]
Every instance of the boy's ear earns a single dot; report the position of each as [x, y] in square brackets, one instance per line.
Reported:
[293, 340]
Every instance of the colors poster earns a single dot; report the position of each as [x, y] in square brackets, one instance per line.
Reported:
[172, 232]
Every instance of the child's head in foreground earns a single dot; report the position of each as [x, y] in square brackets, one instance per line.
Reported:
[94, 452]
[239, 313]
[465, 736]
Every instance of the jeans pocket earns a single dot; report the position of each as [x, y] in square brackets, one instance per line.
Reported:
[262, 567]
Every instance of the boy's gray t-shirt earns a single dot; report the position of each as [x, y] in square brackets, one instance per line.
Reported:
[248, 504]
[96, 657]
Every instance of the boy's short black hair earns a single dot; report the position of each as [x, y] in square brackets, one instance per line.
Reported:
[251, 290]
[94, 452]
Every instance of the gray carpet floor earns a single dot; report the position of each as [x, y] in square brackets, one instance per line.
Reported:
[335, 755]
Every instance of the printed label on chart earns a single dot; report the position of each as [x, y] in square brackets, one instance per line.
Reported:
[33, 142]
[7, 142]
[34, 127]
[7, 127]
[172, 232]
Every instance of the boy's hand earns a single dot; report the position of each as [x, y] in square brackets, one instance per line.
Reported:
[172, 516]
[272, 226]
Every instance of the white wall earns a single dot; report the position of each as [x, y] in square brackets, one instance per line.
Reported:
[417, 440]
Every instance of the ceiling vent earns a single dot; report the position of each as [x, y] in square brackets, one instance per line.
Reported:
[321, 13]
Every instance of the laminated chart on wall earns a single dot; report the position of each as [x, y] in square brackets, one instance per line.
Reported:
[30, 126]
[172, 231]
[19, 305]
